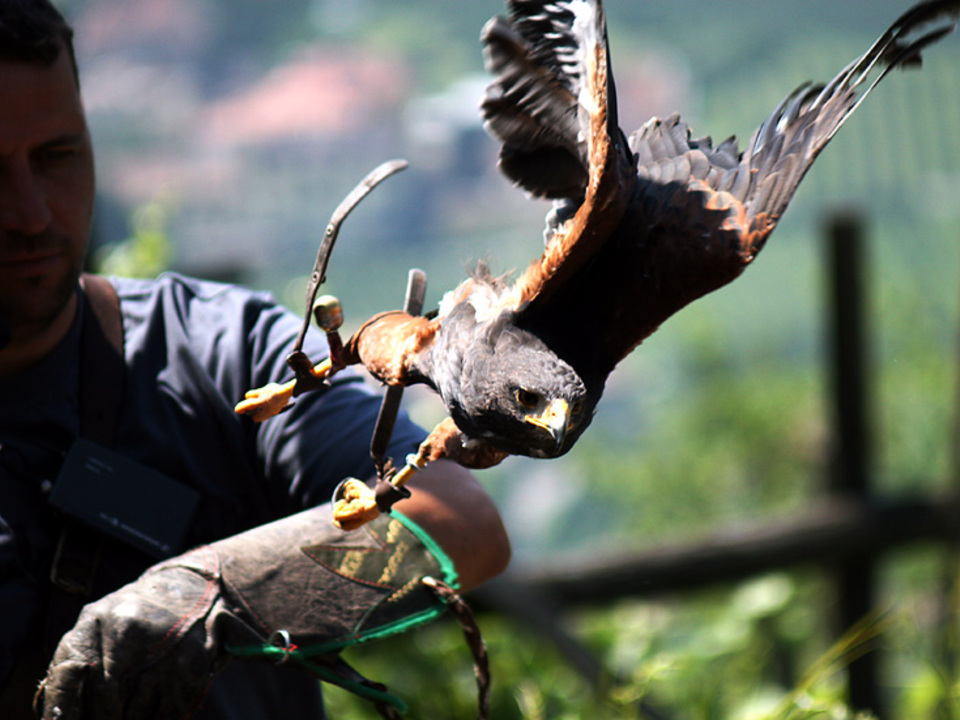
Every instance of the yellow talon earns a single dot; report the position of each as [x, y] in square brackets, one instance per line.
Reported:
[356, 505]
[265, 402]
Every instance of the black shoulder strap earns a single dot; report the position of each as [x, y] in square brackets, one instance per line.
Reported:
[102, 371]
[102, 367]
[78, 549]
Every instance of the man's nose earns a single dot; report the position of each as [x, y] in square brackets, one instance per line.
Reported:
[23, 200]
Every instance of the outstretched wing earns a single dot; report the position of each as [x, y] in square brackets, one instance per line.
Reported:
[699, 214]
[552, 104]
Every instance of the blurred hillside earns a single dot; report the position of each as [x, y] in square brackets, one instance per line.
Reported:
[241, 124]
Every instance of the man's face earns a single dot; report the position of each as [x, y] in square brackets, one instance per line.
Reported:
[46, 192]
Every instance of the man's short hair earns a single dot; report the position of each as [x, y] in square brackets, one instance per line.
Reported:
[34, 31]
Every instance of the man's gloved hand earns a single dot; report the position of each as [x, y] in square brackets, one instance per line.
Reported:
[150, 650]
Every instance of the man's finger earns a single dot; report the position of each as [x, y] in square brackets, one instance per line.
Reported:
[60, 696]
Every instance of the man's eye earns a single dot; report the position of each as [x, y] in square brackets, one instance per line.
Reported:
[56, 154]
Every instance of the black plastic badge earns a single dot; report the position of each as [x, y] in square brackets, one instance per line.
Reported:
[124, 499]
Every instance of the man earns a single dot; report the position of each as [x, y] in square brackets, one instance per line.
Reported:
[189, 350]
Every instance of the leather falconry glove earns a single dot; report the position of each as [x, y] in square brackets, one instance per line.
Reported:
[295, 591]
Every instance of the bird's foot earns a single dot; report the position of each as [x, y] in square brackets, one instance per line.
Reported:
[355, 504]
[272, 399]
[265, 402]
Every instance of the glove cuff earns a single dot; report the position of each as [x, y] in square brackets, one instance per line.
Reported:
[446, 572]
[381, 592]
[339, 588]
[413, 556]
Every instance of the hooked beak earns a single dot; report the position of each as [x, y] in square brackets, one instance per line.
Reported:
[555, 419]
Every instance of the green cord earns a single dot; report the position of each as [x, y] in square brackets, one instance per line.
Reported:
[301, 656]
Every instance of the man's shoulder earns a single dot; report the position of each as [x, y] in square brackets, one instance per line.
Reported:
[191, 301]
[219, 325]
[184, 289]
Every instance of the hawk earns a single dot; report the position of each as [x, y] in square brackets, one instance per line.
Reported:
[640, 227]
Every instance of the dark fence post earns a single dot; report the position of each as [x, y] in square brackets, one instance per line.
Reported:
[947, 622]
[849, 475]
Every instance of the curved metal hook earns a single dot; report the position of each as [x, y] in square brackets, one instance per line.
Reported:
[318, 276]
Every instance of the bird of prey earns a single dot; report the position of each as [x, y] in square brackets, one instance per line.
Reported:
[640, 227]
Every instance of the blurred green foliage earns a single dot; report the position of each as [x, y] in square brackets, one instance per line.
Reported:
[760, 650]
[147, 251]
[703, 660]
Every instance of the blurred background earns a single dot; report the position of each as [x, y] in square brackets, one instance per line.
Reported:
[228, 130]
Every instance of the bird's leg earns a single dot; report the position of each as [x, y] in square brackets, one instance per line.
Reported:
[355, 503]
[415, 462]
[269, 400]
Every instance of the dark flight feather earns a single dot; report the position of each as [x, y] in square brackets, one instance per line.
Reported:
[640, 227]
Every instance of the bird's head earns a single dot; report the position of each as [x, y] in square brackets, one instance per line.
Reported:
[519, 396]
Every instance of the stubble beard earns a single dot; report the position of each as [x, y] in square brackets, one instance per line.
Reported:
[35, 303]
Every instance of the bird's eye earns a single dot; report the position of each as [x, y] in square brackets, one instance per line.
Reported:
[577, 407]
[527, 398]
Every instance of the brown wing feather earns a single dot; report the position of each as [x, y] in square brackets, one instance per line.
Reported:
[699, 215]
[553, 106]
[609, 190]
